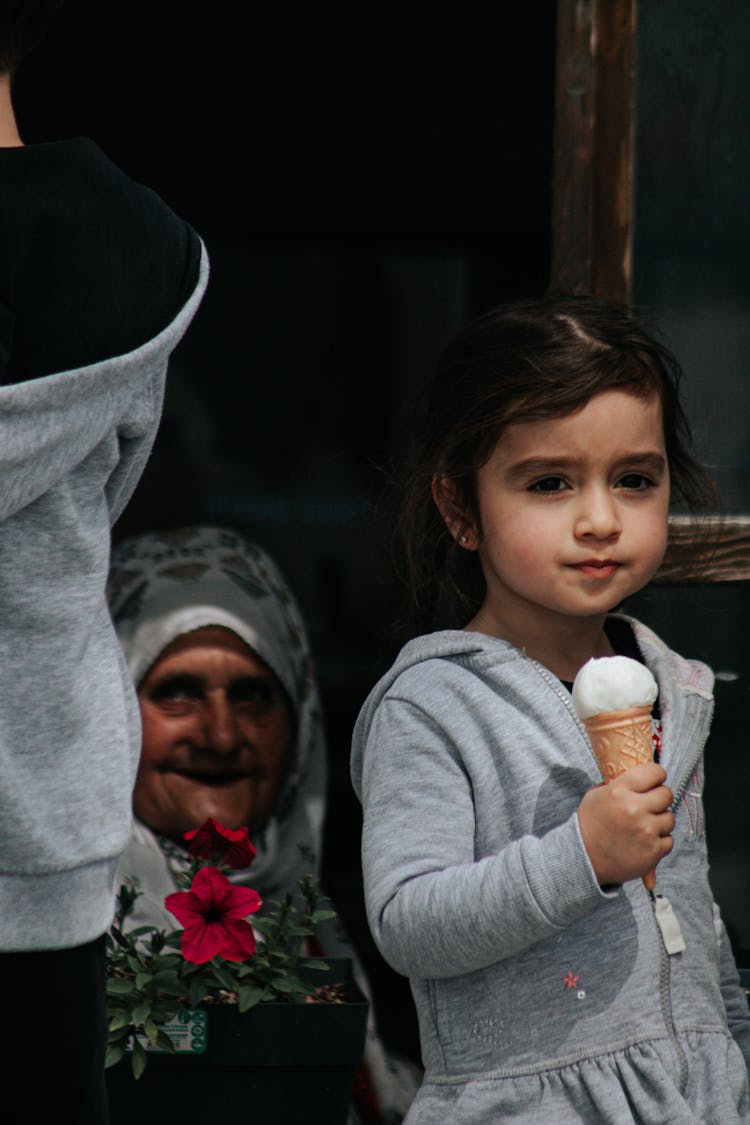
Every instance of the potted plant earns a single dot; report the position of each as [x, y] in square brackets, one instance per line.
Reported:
[212, 1016]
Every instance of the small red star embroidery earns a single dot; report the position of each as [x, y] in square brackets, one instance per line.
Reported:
[571, 980]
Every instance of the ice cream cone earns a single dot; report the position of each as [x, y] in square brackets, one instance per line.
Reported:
[620, 740]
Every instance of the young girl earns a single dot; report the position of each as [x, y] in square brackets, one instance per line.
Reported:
[501, 877]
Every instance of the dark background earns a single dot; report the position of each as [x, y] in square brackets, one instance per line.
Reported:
[365, 178]
[691, 248]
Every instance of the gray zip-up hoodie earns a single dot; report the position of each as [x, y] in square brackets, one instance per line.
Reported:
[72, 448]
[541, 996]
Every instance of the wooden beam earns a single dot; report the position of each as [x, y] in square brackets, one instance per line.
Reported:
[613, 163]
[706, 551]
[593, 148]
[573, 148]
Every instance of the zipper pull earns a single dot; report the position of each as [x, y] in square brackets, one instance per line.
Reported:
[666, 920]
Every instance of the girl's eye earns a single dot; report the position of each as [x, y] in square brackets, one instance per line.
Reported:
[635, 482]
[549, 484]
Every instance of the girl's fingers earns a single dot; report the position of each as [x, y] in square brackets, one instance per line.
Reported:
[642, 778]
[658, 800]
[664, 824]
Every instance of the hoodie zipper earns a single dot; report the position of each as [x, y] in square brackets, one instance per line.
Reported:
[665, 997]
[680, 788]
[665, 974]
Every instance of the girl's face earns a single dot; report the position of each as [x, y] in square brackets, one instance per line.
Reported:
[573, 514]
[217, 736]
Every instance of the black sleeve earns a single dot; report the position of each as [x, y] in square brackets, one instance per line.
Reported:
[6, 337]
[98, 264]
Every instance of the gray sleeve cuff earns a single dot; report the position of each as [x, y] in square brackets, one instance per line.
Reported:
[560, 875]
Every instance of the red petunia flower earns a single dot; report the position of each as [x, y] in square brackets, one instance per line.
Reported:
[219, 844]
[212, 913]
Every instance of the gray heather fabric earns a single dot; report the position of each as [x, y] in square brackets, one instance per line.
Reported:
[541, 997]
[73, 446]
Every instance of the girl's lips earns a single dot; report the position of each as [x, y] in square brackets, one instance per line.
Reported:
[593, 568]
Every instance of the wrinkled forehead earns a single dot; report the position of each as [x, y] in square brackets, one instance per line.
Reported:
[157, 610]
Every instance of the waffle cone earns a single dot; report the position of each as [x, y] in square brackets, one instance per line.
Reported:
[621, 739]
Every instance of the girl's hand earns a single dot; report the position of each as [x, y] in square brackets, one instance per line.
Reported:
[626, 824]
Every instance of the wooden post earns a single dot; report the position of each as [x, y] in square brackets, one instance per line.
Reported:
[593, 148]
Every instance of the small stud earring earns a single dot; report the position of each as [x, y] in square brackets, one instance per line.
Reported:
[462, 539]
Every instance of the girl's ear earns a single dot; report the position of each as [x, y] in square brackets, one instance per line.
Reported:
[459, 524]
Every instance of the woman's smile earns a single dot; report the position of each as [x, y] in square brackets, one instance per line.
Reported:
[211, 777]
[217, 736]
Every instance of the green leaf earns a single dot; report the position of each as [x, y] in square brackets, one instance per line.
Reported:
[314, 963]
[157, 943]
[138, 1060]
[164, 1041]
[197, 991]
[290, 984]
[178, 989]
[250, 995]
[152, 1031]
[141, 1011]
[113, 1056]
[167, 981]
[172, 962]
[119, 987]
[322, 915]
[119, 1019]
[141, 980]
[161, 1013]
[121, 1037]
[222, 976]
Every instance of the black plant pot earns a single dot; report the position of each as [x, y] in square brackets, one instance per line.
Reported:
[278, 1064]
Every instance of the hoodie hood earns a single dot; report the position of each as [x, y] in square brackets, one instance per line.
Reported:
[455, 645]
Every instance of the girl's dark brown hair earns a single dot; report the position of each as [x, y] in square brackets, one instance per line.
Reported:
[23, 25]
[522, 362]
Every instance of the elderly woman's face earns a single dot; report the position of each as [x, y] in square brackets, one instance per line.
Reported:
[217, 736]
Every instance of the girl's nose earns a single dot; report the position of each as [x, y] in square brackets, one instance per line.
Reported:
[220, 729]
[598, 516]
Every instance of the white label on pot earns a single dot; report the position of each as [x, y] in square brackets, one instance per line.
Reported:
[188, 1031]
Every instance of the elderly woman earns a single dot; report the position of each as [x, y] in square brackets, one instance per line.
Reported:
[231, 728]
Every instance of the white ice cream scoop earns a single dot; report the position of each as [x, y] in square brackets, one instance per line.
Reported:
[612, 683]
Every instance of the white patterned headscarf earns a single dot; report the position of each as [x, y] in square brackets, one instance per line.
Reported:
[165, 584]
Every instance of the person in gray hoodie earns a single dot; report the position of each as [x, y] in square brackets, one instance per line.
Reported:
[99, 280]
[500, 875]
